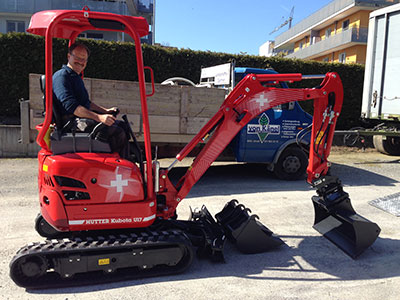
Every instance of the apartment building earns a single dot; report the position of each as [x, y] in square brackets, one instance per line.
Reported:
[335, 33]
[15, 14]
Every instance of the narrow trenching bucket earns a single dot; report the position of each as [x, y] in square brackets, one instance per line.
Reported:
[340, 224]
[243, 229]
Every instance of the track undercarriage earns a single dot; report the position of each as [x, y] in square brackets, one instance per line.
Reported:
[167, 247]
[93, 258]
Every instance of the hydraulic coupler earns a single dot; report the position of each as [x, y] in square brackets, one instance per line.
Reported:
[243, 229]
[336, 219]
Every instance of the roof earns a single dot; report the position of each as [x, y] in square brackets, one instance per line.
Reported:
[69, 23]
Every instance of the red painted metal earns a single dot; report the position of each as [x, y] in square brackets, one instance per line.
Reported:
[324, 123]
[153, 90]
[245, 102]
[72, 22]
[53, 210]
[68, 24]
[107, 170]
[115, 186]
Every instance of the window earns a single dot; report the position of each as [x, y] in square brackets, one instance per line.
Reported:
[345, 24]
[342, 57]
[15, 26]
[91, 35]
[328, 33]
[326, 59]
[301, 45]
[97, 36]
[285, 106]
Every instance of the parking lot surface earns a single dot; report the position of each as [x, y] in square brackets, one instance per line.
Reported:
[307, 267]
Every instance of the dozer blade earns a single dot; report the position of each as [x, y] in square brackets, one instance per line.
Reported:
[243, 229]
[336, 219]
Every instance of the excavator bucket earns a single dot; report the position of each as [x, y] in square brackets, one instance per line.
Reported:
[336, 219]
[243, 229]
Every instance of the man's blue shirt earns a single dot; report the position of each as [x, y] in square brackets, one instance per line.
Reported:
[69, 89]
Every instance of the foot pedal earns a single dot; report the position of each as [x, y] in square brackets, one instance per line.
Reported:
[245, 230]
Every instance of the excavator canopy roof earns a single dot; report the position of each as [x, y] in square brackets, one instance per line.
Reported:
[69, 23]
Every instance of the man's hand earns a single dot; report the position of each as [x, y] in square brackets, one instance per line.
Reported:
[107, 119]
[83, 112]
[113, 111]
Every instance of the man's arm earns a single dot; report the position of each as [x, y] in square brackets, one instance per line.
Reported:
[83, 112]
[100, 109]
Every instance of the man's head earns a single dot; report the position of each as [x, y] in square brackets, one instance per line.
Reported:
[78, 55]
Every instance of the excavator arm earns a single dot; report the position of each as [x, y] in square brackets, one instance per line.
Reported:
[335, 218]
[254, 95]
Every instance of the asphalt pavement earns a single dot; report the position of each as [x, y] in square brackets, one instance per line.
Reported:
[308, 266]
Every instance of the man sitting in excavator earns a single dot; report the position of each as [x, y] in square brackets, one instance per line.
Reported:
[70, 91]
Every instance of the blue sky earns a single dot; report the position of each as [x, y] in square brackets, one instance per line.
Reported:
[231, 26]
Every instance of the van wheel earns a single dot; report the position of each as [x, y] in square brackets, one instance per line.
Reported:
[291, 165]
[387, 144]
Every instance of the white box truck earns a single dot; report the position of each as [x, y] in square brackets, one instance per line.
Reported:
[381, 93]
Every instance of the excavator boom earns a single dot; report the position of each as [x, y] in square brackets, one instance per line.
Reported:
[254, 95]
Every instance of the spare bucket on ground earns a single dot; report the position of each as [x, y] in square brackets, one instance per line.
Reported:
[336, 219]
[243, 229]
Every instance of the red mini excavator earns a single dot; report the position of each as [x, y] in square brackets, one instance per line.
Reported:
[107, 218]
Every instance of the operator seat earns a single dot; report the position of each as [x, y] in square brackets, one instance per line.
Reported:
[66, 137]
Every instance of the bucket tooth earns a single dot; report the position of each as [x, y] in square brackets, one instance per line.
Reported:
[336, 219]
[245, 230]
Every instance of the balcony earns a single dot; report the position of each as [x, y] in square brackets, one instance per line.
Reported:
[335, 42]
[334, 10]
[29, 7]
[25, 8]
[145, 6]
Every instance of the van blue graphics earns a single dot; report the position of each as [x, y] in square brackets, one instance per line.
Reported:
[263, 129]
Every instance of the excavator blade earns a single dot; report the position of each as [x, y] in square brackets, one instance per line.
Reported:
[243, 229]
[336, 219]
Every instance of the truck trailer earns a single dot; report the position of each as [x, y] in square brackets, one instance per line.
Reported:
[381, 93]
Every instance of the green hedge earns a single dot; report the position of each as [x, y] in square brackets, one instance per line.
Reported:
[22, 54]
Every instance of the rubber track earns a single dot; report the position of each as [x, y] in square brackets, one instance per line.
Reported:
[50, 249]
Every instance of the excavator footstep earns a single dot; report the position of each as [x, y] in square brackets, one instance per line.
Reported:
[245, 230]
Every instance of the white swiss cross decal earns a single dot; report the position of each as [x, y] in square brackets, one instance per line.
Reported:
[118, 182]
[262, 100]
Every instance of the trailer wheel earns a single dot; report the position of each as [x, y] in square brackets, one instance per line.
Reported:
[387, 144]
[292, 164]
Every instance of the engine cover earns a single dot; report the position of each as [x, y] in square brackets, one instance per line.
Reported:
[93, 191]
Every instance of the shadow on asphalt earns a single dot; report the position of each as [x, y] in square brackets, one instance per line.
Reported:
[353, 176]
[315, 259]
[395, 161]
[253, 178]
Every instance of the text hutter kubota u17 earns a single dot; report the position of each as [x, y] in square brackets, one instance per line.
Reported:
[107, 218]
